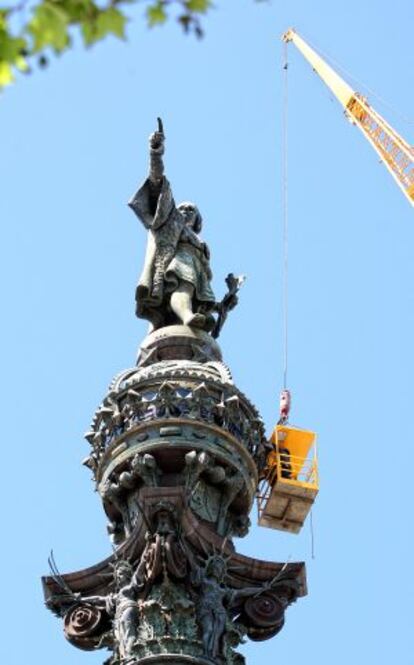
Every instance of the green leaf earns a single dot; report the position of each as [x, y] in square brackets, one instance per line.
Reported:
[10, 47]
[6, 74]
[49, 27]
[21, 64]
[3, 19]
[156, 14]
[11, 55]
[107, 21]
[88, 32]
[199, 6]
[111, 21]
[79, 10]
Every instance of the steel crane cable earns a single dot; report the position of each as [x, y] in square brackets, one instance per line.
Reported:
[285, 106]
[285, 218]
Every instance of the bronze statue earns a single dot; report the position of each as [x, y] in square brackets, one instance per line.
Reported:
[122, 606]
[216, 599]
[174, 286]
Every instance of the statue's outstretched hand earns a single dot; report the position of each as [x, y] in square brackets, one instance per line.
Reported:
[157, 139]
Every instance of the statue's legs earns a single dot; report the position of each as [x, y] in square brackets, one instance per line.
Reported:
[127, 627]
[207, 634]
[219, 625]
[212, 625]
[182, 305]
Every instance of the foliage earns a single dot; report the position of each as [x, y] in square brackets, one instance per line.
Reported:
[31, 33]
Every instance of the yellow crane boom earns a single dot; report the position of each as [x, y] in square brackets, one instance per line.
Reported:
[395, 153]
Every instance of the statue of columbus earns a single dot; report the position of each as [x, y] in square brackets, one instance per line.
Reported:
[174, 286]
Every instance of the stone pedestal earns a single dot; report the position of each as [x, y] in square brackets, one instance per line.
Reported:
[178, 343]
[176, 453]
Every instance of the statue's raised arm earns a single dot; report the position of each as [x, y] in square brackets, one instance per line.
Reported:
[153, 203]
[156, 141]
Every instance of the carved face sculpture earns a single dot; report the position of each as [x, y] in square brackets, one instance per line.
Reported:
[165, 523]
[216, 568]
[191, 215]
[123, 573]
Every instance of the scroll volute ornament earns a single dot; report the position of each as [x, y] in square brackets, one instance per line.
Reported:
[264, 615]
[84, 626]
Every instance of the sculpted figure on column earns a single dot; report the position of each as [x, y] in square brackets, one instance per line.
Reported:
[174, 286]
[216, 600]
[121, 606]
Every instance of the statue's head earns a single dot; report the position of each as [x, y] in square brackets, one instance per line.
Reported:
[191, 214]
[216, 567]
[122, 572]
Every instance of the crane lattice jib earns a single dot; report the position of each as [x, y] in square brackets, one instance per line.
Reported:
[396, 154]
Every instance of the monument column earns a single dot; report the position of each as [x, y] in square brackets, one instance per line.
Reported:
[176, 452]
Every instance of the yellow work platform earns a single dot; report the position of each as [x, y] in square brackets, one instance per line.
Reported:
[286, 493]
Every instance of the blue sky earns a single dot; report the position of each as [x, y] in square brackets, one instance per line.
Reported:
[73, 148]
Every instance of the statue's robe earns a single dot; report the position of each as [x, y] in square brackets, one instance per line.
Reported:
[171, 256]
